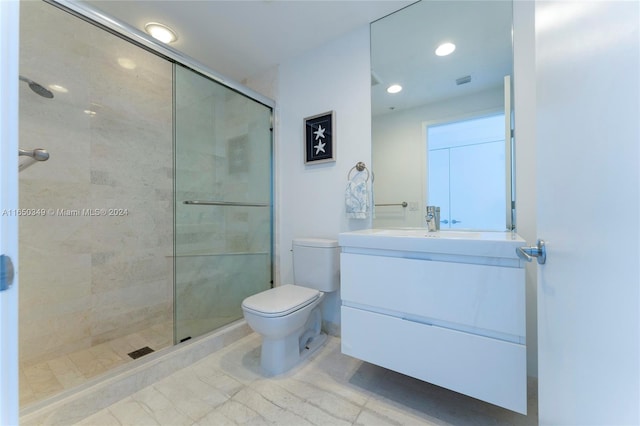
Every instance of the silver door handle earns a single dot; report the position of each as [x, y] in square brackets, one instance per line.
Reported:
[528, 253]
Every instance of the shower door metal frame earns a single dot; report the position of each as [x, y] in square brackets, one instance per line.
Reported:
[145, 41]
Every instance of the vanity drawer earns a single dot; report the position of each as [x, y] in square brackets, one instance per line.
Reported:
[484, 368]
[488, 300]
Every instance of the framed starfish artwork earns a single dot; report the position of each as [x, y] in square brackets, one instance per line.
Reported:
[319, 138]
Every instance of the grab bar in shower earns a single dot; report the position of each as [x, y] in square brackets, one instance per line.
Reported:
[225, 203]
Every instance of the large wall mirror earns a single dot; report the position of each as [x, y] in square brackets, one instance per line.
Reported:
[445, 138]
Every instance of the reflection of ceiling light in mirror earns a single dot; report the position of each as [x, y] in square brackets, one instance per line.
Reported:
[58, 88]
[127, 63]
[160, 32]
[89, 112]
[394, 88]
[445, 49]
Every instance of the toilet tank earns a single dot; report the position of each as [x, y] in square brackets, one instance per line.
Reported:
[316, 263]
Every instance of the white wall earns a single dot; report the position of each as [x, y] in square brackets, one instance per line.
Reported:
[310, 199]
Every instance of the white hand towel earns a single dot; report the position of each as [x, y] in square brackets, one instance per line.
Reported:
[357, 199]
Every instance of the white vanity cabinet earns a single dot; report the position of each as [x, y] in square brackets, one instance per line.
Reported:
[447, 308]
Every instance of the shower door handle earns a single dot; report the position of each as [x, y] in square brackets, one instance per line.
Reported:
[224, 203]
[7, 272]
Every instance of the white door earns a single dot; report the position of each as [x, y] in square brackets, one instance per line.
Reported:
[9, 12]
[477, 194]
[588, 72]
[467, 172]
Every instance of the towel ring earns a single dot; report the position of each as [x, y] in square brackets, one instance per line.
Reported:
[360, 166]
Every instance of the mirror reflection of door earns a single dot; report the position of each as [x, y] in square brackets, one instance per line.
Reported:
[472, 81]
[466, 176]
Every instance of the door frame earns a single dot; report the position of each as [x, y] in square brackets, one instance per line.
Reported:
[9, 58]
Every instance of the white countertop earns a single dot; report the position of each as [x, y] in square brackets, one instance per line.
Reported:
[464, 243]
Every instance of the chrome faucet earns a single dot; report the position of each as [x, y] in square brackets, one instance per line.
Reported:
[433, 218]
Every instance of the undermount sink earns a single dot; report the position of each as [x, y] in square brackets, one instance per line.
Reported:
[452, 242]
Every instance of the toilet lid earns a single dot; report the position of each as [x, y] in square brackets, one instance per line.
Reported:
[280, 301]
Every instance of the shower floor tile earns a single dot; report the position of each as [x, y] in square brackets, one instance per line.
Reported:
[42, 380]
[50, 377]
[329, 389]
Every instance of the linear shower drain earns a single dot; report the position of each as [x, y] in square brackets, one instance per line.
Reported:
[140, 352]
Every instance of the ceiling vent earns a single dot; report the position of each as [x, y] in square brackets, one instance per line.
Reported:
[463, 80]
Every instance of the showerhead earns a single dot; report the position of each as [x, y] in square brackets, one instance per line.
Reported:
[37, 88]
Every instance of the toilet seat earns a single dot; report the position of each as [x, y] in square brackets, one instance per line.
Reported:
[280, 301]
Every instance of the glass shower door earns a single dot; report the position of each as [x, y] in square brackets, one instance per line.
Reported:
[223, 211]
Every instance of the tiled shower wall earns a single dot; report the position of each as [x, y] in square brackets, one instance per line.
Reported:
[86, 279]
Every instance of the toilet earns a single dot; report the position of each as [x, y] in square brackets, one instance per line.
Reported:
[288, 316]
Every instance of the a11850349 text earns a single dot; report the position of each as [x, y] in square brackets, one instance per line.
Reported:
[57, 212]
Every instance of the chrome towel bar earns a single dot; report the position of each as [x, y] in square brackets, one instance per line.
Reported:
[403, 204]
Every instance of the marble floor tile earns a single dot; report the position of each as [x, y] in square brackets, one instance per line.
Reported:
[42, 381]
[160, 407]
[27, 396]
[89, 362]
[226, 388]
[189, 395]
[104, 417]
[66, 372]
[122, 346]
[50, 377]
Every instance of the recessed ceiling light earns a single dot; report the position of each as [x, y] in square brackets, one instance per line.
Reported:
[394, 88]
[161, 32]
[445, 49]
[58, 88]
[90, 112]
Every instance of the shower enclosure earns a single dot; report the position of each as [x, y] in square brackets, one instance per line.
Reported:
[150, 220]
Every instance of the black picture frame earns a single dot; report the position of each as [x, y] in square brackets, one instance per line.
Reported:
[319, 138]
